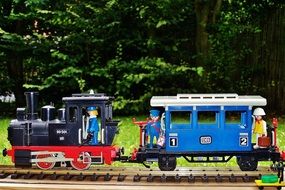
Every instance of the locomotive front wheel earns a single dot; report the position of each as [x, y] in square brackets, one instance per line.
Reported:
[247, 163]
[83, 162]
[167, 163]
[45, 165]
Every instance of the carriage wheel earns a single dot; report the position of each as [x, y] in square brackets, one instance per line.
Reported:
[83, 162]
[247, 163]
[45, 165]
[167, 163]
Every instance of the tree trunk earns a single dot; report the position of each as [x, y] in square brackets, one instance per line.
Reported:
[15, 71]
[268, 60]
[206, 13]
[15, 57]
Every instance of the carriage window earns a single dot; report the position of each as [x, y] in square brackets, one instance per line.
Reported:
[235, 117]
[181, 117]
[72, 114]
[206, 117]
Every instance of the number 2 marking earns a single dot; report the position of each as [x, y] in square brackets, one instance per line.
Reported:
[243, 141]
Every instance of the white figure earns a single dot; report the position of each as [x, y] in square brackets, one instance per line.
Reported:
[258, 125]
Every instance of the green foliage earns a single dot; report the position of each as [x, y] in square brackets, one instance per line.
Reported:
[130, 49]
[231, 43]
[134, 82]
[124, 48]
[70, 73]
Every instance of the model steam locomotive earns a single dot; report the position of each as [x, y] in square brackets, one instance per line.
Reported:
[65, 140]
[48, 141]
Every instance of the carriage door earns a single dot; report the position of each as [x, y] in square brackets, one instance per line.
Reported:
[180, 129]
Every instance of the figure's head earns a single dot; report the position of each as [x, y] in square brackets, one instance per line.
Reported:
[92, 111]
[258, 113]
[154, 114]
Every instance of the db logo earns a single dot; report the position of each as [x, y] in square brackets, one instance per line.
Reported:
[205, 140]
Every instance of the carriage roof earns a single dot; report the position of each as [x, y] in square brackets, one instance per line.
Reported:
[207, 100]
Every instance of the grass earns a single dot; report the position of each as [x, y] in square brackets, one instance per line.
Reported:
[128, 138]
[4, 143]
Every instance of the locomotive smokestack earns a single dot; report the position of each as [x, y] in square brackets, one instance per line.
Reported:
[32, 104]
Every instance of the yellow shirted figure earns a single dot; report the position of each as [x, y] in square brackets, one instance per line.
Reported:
[259, 125]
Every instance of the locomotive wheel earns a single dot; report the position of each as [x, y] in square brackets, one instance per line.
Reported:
[167, 163]
[45, 165]
[83, 162]
[247, 163]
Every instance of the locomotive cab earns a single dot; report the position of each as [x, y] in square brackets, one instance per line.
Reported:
[77, 118]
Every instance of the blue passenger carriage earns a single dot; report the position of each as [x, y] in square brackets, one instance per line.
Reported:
[207, 123]
[207, 128]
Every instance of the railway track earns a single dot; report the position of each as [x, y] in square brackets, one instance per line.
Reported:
[136, 175]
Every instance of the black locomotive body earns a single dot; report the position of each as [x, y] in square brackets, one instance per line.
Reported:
[30, 135]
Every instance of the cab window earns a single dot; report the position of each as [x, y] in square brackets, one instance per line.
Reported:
[72, 114]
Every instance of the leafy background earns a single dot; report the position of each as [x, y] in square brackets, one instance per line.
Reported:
[136, 49]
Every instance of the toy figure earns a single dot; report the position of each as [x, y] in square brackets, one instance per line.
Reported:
[153, 126]
[93, 128]
[259, 125]
[161, 140]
